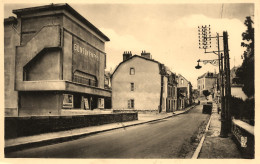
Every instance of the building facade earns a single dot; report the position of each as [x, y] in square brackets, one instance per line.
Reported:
[207, 81]
[142, 84]
[59, 62]
[184, 92]
[11, 40]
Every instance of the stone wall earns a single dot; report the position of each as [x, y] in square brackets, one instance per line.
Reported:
[26, 126]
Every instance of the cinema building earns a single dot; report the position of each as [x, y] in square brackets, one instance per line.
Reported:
[54, 61]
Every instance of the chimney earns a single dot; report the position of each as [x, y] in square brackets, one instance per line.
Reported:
[146, 55]
[127, 55]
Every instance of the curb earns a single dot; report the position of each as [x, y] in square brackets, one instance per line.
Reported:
[198, 149]
[9, 149]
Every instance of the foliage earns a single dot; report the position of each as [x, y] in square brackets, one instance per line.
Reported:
[206, 93]
[243, 110]
[245, 73]
[195, 94]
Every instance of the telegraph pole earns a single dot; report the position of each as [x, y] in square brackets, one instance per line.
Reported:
[224, 71]
[227, 87]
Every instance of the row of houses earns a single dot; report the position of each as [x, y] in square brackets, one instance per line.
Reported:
[143, 84]
[55, 61]
[211, 81]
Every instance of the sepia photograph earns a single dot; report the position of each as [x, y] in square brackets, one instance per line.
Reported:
[129, 80]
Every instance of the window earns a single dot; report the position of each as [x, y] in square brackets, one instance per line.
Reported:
[67, 101]
[131, 103]
[181, 81]
[132, 86]
[84, 78]
[132, 71]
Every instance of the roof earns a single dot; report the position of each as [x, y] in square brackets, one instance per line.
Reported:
[11, 19]
[184, 78]
[107, 74]
[161, 66]
[66, 7]
[206, 75]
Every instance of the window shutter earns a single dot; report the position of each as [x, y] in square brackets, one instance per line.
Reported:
[129, 103]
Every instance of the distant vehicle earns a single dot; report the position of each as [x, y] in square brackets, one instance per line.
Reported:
[207, 108]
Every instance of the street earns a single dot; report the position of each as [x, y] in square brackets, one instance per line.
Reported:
[160, 139]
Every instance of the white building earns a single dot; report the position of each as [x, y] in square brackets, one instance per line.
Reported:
[142, 84]
[185, 92]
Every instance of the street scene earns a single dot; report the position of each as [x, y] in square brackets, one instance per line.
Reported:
[129, 81]
[151, 140]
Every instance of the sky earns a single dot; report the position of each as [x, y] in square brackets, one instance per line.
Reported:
[168, 31]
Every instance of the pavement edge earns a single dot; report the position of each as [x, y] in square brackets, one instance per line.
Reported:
[9, 149]
[198, 149]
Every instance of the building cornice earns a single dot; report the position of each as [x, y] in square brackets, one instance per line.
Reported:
[53, 7]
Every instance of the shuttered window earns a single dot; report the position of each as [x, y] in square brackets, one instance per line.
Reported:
[131, 103]
[132, 86]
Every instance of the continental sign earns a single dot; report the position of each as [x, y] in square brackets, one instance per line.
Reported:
[85, 58]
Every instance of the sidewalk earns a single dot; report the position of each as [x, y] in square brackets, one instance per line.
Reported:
[215, 146]
[55, 137]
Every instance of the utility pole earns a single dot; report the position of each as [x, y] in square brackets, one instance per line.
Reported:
[227, 87]
[224, 71]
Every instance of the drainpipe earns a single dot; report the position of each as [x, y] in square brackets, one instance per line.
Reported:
[161, 72]
[161, 95]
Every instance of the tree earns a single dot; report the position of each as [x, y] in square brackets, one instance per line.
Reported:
[246, 72]
[206, 93]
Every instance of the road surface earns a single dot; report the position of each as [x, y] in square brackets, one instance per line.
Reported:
[160, 139]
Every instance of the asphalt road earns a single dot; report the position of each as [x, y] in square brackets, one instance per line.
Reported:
[160, 139]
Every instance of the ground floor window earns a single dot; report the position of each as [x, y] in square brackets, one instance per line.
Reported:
[80, 101]
[131, 103]
[68, 101]
[101, 103]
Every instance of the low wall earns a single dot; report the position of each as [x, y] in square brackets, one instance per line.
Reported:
[27, 126]
[243, 135]
[136, 111]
